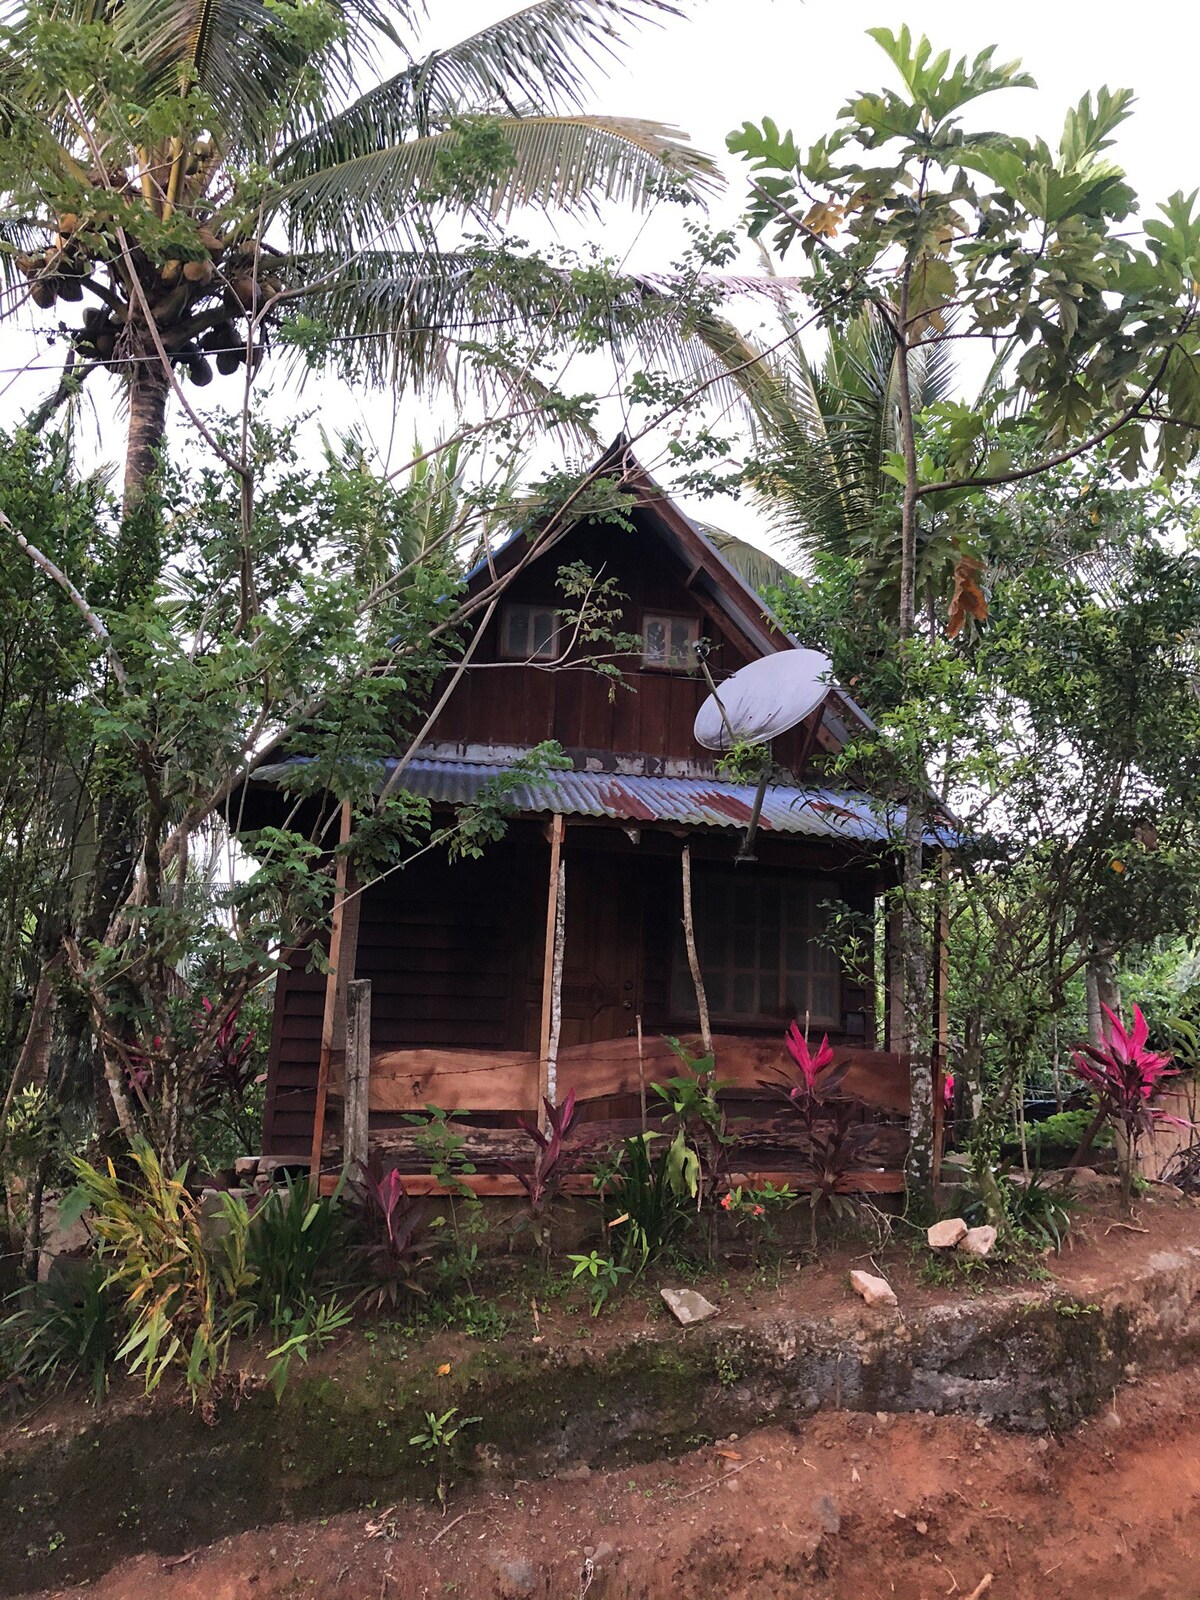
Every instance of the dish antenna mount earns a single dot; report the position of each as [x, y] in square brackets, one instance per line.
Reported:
[762, 700]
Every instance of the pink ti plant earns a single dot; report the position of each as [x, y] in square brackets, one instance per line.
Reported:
[1127, 1079]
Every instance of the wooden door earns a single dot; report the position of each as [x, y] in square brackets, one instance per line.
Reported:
[601, 961]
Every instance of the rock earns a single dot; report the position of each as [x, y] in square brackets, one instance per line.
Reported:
[875, 1291]
[945, 1235]
[978, 1241]
[687, 1307]
[246, 1166]
[1089, 1178]
[517, 1575]
[828, 1514]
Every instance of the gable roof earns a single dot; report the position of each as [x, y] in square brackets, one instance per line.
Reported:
[709, 572]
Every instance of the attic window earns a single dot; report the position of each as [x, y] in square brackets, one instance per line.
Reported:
[667, 642]
[530, 633]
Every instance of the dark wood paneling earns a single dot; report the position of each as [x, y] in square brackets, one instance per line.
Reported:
[513, 704]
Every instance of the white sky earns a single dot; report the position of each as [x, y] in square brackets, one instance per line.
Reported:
[798, 62]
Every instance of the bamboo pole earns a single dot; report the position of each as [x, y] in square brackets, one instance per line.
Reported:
[689, 934]
[356, 1113]
[641, 1070]
[334, 981]
[552, 965]
[941, 1014]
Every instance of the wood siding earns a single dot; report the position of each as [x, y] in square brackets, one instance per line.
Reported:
[454, 954]
[500, 702]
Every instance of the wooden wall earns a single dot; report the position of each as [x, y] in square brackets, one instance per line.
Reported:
[502, 703]
[454, 955]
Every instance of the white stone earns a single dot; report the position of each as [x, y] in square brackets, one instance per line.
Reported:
[945, 1235]
[686, 1306]
[875, 1291]
[978, 1241]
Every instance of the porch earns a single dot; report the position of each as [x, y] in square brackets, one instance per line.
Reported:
[558, 962]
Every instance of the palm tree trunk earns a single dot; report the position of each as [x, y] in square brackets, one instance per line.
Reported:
[119, 823]
[149, 385]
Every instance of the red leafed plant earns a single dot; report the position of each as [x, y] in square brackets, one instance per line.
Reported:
[391, 1222]
[542, 1179]
[1127, 1078]
[836, 1138]
[818, 1078]
[227, 1072]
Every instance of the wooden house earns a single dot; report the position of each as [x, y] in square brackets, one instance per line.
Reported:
[475, 1005]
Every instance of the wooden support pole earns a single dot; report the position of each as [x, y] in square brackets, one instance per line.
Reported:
[342, 948]
[552, 965]
[689, 935]
[941, 1015]
[356, 1114]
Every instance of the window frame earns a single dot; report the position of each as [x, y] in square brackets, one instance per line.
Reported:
[529, 607]
[668, 618]
[720, 983]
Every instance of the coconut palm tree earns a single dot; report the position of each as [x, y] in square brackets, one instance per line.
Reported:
[825, 434]
[189, 170]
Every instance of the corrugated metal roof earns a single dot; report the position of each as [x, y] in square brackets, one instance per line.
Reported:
[694, 802]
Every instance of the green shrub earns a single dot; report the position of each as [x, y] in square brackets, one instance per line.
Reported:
[1063, 1133]
[648, 1198]
[291, 1246]
[183, 1295]
[68, 1331]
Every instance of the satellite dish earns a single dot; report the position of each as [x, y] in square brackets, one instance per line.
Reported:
[764, 699]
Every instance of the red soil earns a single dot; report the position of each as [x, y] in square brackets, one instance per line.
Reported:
[843, 1506]
[847, 1507]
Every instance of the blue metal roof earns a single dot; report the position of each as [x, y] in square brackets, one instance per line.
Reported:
[820, 813]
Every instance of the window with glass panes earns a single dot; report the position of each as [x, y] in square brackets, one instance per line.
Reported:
[668, 643]
[530, 633]
[757, 940]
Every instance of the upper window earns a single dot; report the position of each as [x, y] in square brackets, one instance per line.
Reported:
[530, 633]
[667, 642]
[760, 952]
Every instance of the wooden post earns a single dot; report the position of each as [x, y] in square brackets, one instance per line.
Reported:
[641, 1070]
[552, 965]
[343, 945]
[356, 1116]
[689, 935]
[941, 1016]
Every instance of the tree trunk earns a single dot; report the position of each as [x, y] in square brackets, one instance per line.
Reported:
[915, 1040]
[149, 385]
[119, 821]
[1101, 991]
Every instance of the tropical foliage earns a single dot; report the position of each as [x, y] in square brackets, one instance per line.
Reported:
[195, 177]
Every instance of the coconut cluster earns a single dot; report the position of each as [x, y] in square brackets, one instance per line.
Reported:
[198, 296]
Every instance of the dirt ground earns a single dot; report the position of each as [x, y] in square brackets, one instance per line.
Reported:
[840, 1506]
[846, 1507]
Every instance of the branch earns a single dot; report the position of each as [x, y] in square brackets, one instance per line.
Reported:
[89, 616]
[996, 479]
[69, 385]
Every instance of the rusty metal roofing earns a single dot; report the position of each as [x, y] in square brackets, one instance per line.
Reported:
[819, 813]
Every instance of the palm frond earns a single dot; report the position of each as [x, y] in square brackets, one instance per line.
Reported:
[243, 56]
[444, 318]
[761, 570]
[376, 196]
[542, 55]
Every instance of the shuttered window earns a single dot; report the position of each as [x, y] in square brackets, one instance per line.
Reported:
[667, 643]
[762, 960]
[532, 633]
